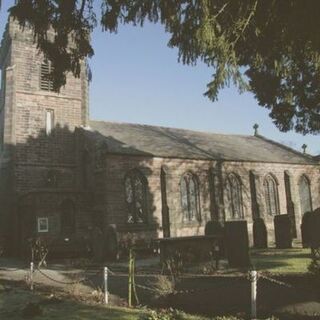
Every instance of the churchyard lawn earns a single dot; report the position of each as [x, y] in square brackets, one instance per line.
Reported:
[294, 260]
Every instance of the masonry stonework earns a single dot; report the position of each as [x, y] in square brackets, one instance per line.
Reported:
[75, 176]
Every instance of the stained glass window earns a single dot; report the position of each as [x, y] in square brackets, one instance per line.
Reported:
[234, 194]
[136, 199]
[190, 198]
[271, 195]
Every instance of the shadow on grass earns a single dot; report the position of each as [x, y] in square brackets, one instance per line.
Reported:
[55, 305]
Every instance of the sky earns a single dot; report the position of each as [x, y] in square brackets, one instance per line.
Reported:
[137, 78]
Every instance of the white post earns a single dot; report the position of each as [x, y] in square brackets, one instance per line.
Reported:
[253, 279]
[106, 294]
[31, 275]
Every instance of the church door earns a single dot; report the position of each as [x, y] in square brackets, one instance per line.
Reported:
[165, 208]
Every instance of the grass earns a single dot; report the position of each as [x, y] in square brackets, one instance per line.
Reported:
[281, 260]
[14, 299]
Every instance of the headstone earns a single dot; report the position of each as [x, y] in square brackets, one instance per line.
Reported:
[112, 249]
[237, 243]
[306, 229]
[260, 234]
[282, 229]
[315, 229]
[213, 228]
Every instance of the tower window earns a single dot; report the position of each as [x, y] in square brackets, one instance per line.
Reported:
[49, 121]
[46, 82]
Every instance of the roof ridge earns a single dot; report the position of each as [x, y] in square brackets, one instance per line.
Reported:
[174, 128]
[285, 147]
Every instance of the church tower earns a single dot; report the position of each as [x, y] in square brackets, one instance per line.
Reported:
[37, 142]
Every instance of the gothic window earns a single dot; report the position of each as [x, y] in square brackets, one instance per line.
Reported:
[46, 82]
[67, 218]
[305, 195]
[136, 197]
[271, 195]
[234, 194]
[190, 197]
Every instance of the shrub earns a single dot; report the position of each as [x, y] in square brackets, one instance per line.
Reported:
[163, 286]
[175, 266]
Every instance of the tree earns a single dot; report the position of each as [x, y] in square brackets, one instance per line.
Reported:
[270, 48]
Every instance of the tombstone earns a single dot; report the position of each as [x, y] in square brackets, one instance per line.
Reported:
[306, 229]
[282, 229]
[215, 228]
[237, 243]
[260, 234]
[97, 244]
[314, 229]
[112, 250]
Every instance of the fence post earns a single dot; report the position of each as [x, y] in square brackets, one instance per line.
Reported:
[31, 275]
[106, 293]
[130, 280]
[253, 279]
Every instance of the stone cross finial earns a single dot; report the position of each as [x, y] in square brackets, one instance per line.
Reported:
[256, 127]
[304, 148]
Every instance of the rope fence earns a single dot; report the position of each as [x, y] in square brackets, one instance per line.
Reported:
[106, 272]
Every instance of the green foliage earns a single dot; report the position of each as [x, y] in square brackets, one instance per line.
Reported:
[268, 47]
[175, 265]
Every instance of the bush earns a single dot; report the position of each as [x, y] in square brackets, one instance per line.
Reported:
[163, 286]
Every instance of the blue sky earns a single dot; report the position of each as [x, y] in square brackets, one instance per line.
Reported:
[137, 78]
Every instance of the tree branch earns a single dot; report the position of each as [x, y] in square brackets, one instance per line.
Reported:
[83, 4]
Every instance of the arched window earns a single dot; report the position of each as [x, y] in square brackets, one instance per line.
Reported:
[305, 194]
[136, 197]
[190, 203]
[68, 218]
[234, 194]
[271, 195]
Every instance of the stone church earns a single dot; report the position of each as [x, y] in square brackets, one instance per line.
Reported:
[64, 176]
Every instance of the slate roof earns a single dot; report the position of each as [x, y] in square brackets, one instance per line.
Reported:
[136, 139]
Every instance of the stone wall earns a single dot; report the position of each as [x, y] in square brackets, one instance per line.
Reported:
[30, 156]
[116, 209]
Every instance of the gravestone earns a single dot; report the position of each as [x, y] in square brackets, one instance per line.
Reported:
[215, 228]
[260, 234]
[237, 243]
[315, 229]
[282, 229]
[306, 229]
[112, 249]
